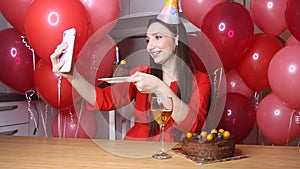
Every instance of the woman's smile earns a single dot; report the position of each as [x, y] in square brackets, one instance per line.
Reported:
[155, 53]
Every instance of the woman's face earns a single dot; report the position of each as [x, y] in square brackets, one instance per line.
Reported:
[161, 43]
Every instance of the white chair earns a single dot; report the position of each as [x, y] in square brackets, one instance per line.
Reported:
[120, 121]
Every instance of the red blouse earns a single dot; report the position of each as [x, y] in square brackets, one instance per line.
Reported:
[121, 94]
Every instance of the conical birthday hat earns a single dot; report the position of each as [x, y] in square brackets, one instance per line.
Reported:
[169, 13]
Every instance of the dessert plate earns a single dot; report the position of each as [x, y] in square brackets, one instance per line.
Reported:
[116, 79]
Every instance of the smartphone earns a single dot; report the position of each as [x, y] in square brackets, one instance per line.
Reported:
[67, 55]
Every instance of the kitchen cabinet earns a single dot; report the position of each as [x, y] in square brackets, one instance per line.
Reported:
[22, 118]
[134, 17]
[140, 7]
[145, 7]
[152, 7]
[14, 119]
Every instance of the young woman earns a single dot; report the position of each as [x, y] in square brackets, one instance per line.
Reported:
[170, 73]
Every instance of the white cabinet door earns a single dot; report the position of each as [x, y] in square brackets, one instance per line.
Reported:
[140, 7]
[125, 7]
[14, 119]
[16, 130]
[13, 113]
[146, 7]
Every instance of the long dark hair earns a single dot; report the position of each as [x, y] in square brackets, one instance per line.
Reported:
[184, 66]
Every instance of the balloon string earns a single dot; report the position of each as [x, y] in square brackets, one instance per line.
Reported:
[297, 118]
[290, 126]
[30, 48]
[58, 102]
[72, 120]
[297, 121]
[59, 90]
[257, 99]
[65, 125]
[79, 119]
[28, 98]
[44, 119]
[58, 124]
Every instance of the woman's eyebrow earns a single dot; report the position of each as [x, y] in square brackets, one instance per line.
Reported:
[154, 33]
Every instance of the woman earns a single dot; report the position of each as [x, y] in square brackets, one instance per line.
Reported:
[170, 73]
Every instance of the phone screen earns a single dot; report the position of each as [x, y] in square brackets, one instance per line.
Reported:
[67, 55]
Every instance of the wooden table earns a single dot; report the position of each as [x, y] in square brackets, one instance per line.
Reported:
[41, 153]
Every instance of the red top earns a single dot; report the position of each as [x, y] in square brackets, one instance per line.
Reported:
[121, 94]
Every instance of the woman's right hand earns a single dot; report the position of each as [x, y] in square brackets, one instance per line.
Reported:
[57, 64]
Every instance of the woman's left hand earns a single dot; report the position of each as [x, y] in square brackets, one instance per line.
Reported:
[146, 83]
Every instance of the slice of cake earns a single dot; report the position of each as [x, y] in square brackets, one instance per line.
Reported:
[212, 146]
[121, 69]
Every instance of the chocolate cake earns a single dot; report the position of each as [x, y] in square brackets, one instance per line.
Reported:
[215, 149]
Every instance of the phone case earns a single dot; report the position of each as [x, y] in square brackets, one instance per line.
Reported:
[67, 56]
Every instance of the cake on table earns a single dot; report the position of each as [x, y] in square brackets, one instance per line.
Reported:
[211, 146]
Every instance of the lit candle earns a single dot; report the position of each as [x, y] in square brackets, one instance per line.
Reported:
[117, 55]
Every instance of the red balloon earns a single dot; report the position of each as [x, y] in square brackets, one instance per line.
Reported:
[292, 17]
[47, 85]
[235, 84]
[103, 14]
[238, 116]
[47, 19]
[230, 28]
[204, 55]
[16, 19]
[284, 75]
[97, 57]
[17, 61]
[253, 68]
[269, 15]
[73, 124]
[195, 10]
[277, 121]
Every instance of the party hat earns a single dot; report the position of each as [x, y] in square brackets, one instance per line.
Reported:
[169, 13]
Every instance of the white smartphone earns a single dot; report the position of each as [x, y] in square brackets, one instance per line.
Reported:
[67, 55]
